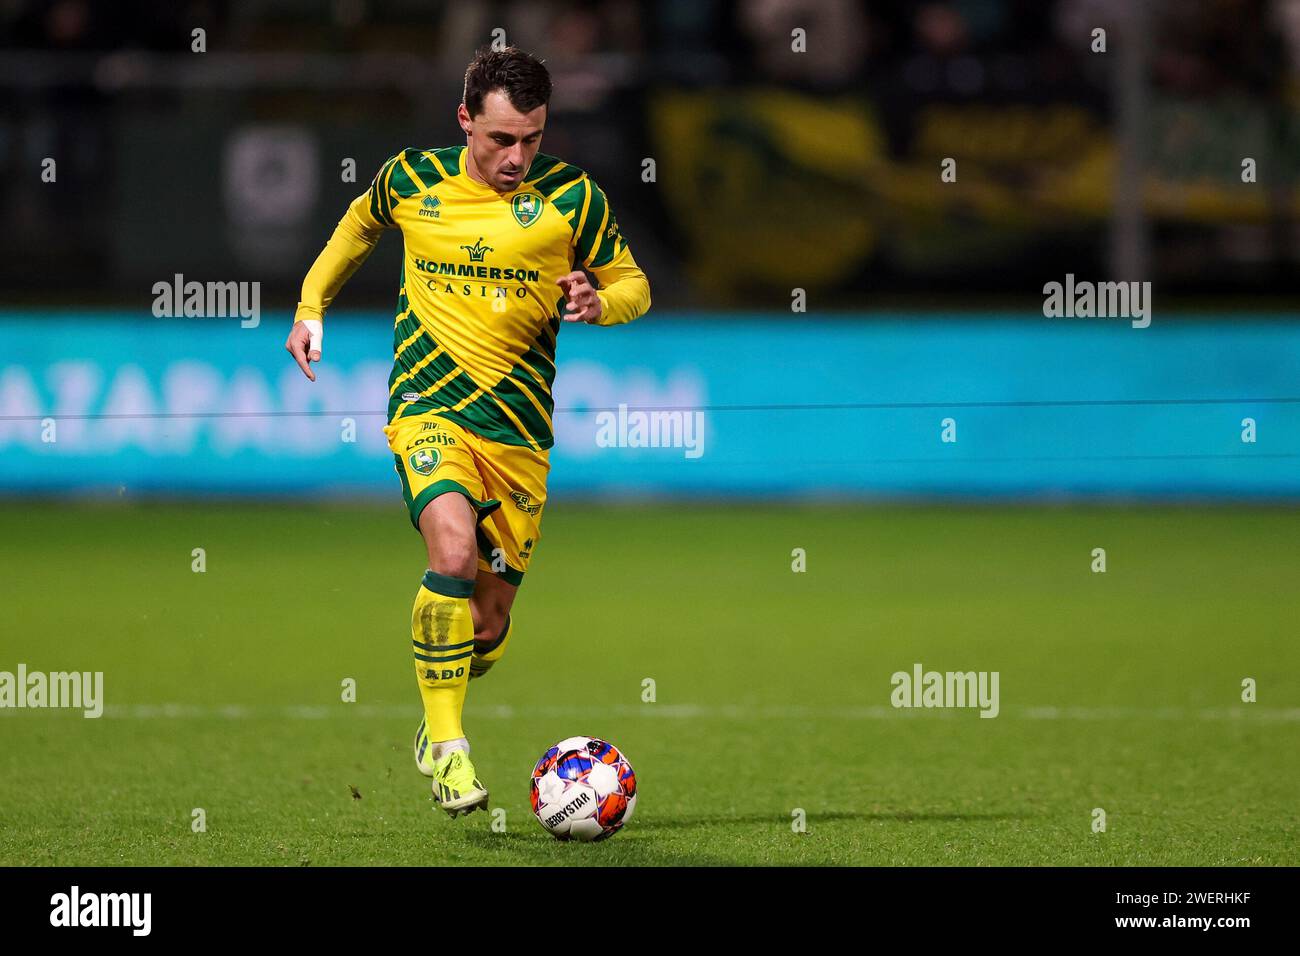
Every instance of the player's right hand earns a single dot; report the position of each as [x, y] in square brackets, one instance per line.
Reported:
[304, 344]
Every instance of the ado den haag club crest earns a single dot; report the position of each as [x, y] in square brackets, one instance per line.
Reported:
[424, 461]
[526, 207]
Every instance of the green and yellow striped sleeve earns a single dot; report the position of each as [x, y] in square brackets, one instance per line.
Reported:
[600, 247]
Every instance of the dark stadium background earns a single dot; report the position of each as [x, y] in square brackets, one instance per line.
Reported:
[780, 177]
[1009, 87]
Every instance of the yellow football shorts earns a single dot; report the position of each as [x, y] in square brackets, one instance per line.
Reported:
[506, 484]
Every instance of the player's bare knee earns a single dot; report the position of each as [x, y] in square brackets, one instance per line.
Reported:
[452, 555]
[447, 525]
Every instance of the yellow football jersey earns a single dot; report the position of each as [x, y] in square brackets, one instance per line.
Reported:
[479, 310]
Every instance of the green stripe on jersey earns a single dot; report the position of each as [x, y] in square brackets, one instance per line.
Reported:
[403, 329]
[569, 202]
[401, 184]
[510, 393]
[394, 181]
[379, 194]
[425, 171]
[541, 364]
[541, 165]
[591, 229]
[553, 181]
[484, 419]
[453, 393]
[483, 416]
[450, 157]
[545, 340]
[428, 374]
[607, 248]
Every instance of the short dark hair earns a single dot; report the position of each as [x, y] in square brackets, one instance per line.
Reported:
[521, 76]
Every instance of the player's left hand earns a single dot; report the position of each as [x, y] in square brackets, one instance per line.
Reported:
[583, 304]
[304, 344]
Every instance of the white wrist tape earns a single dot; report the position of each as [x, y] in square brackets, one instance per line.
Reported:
[315, 332]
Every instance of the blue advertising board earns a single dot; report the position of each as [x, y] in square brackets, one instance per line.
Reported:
[687, 405]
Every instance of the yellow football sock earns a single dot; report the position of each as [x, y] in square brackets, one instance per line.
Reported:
[442, 630]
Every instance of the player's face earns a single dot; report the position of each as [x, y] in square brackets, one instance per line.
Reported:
[502, 141]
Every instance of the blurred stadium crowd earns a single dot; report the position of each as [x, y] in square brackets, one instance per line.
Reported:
[1017, 44]
[773, 167]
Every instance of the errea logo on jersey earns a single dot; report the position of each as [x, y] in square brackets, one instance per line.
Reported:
[429, 207]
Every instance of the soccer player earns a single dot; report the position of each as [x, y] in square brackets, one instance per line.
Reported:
[496, 236]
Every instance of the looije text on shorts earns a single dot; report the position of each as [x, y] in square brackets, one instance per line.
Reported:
[83, 690]
[922, 688]
[208, 300]
[76, 908]
[653, 429]
[1100, 300]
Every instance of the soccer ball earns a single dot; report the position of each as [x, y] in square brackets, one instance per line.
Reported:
[583, 789]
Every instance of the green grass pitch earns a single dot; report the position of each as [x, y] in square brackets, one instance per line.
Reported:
[1119, 690]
